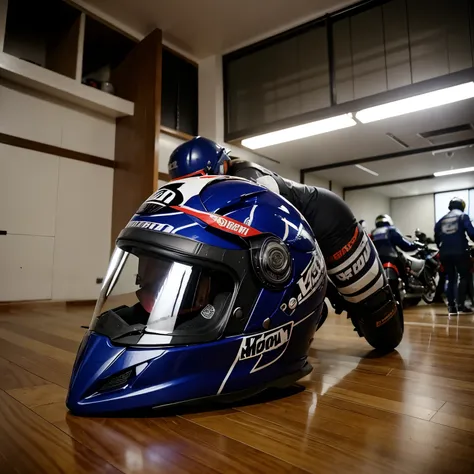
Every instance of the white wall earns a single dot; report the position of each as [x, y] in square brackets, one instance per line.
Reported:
[337, 189]
[57, 211]
[314, 180]
[415, 212]
[367, 205]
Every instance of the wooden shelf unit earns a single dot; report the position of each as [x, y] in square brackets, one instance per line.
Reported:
[62, 87]
[49, 46]
[81, 47]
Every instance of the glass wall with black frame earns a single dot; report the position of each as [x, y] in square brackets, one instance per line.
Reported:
[278, 81]
[374, 47]
[398, 43]
[179, 101]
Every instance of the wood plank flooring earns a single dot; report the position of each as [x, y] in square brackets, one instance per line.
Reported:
[408, 412]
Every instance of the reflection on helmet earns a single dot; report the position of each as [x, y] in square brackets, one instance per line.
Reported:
[151, 278]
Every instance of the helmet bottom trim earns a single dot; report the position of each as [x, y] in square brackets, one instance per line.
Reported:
[205, 402]
[226, 398]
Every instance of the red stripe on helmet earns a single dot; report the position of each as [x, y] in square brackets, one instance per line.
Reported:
[225, 224]
[190, 175]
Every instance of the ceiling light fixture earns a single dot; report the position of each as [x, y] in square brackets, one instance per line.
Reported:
[458, 171]
[450, 150]
[363, 168]
[300, 131]
[417, 102]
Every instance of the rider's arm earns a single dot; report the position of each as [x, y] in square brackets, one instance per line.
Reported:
[468, 227]
[397, 238]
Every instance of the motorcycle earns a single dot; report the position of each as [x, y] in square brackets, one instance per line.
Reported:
[414, 277]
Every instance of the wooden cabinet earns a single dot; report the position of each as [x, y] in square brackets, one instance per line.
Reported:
[52, 46]
[26, 263]
[45, 33]
[61, 212]
[28, 191]
[83, 223]
[28, 195]
[179, 108]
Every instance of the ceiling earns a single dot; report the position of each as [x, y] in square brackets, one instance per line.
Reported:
[365, 140]
[436, 185]
[400, 168]
[207, 27]
[368, 140]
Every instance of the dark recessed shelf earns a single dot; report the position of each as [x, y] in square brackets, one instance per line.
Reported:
[104, 50]
[45, 33]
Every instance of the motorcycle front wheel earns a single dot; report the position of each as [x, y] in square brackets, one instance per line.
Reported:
[429, 293]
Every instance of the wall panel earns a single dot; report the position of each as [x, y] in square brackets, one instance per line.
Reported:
[397, 48]
[28, 191]
[83, 225]
[416, 212]
[368, 52]
[343, 61]
[26, 263]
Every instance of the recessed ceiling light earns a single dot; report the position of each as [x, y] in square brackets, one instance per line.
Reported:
[417, 102]
[458, 171]
[363, 168]
[300, 131]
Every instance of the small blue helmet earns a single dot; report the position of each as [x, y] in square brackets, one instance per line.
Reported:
[198, 156]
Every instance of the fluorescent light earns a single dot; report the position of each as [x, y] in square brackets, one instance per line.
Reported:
[458, 171]
[363, 168]
[300, 131]
[416, 103]
[447, 150]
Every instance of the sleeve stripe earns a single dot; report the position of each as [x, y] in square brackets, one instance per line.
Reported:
[366, 279]
[374, 288]
[352, 258]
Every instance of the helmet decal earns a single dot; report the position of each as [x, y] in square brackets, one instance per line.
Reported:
[217, 221]
[268, 346]
[177, 192]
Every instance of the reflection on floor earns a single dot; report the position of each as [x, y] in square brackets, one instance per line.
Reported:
[408, 412]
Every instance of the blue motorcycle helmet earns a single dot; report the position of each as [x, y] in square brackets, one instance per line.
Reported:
[213, 292]
[198, 156]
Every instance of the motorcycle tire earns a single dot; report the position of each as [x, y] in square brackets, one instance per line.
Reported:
[386, 337]
[429, 298]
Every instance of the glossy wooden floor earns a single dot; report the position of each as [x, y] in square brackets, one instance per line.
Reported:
[409, 412]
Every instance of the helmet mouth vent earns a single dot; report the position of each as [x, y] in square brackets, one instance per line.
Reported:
[116, 381]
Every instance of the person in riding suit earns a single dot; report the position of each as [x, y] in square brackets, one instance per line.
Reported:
[387, 238]
[359, 283]
[450, 236]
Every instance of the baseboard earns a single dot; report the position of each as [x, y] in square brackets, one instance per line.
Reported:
[7, 305]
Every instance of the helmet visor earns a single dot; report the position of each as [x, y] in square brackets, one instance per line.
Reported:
[148, 299]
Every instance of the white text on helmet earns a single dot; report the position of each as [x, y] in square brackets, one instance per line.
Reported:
[258, 345]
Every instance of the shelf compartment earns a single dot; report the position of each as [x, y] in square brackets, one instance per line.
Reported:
[62, 87]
